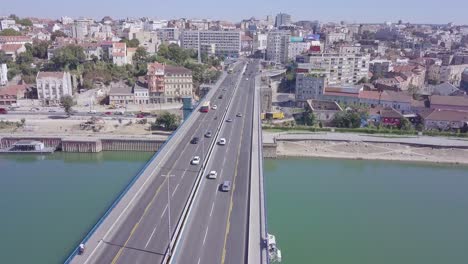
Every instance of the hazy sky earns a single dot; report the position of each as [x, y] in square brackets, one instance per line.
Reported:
[416, 11]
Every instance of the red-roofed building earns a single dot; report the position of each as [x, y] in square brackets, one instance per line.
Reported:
[119, 53]
[449, 102]
[446, 120]
[12, 50]
[9, 95]
[168, 83]
[15, 40]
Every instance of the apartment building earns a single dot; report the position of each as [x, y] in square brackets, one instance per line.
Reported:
[51, 86]
[278, 45]
[3, 74]
[340, 68]
[228, 43]
[167, 84]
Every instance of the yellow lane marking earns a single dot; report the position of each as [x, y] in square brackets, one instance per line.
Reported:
[119, 253]
[228, 223]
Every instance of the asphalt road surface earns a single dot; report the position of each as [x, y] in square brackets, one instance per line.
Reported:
[216, 230]
[143, 237]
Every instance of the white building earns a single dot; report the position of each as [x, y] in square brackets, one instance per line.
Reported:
[297, 48]
[3, 74]
[7, 23]
[51, 86]
[141, 95]
[260, 42]
[277, 46]
[228, 43]
[80, 29]
[282, 19]
[309, 86]
[340, 69]
[119, 53]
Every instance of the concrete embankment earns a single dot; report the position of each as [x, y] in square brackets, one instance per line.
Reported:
[91, 144]
[368, 147]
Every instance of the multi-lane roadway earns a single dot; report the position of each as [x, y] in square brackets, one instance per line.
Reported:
[144, 234]
[217, 227]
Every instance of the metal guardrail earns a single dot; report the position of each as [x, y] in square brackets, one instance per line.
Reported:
[127, 188]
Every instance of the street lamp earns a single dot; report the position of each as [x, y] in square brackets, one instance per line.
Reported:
[169, 251]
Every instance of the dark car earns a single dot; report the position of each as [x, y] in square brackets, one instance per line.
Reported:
[220, 97]
[208, 134]
[229, 120]
[195, 140]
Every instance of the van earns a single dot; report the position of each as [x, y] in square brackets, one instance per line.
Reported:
[226, 186]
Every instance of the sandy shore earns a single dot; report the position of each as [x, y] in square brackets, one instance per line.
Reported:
[371, 151]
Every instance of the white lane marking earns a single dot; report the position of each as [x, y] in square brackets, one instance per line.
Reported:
[175, 190]
[212, 206]
[206, 233]
[164, 211]
[199, 260]
[154, 230]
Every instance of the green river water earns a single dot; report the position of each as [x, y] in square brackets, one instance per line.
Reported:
[367, 212]
[321, 211]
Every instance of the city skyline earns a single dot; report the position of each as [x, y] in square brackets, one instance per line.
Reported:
[361, 11]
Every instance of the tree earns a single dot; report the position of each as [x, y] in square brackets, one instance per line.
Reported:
[57, 34]
[134, 43]
[67, 103]
[39, 49]
[140, 60]
[309, 118]
[4, 58]
[405, 124]
[168, 121]
[10, 32]
[68, 57]
[350, 119]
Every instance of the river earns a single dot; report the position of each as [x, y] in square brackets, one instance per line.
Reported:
[48, 203]
[321, 211]
[367, 212]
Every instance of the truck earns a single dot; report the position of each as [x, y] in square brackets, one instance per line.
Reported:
[272, 115]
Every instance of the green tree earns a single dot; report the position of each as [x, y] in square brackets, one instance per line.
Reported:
[24, 58]
[168, 121]
[310, 118]
[67, 103]
[68, 57]
[57, 34]
[10, 32]
[39, 49]
[4, 58]
[134, 43]
[405, 124]
[349, 119]
[140, 61]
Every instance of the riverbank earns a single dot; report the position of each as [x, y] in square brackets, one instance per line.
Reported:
[342, 146]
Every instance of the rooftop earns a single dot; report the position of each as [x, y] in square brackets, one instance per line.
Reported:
[449, 100]
[57, 75]
[448, 115]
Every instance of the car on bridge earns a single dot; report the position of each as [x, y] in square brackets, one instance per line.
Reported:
[212, 175]
[195, 160]
[214, 107]
[229, 120]
[226, 186]
[222, 142]
[208, 134]
[195, 140]
[239, 115]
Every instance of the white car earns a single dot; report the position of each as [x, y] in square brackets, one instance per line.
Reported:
[214, 107]
[195, 160]
[222, 141]
[212, 175]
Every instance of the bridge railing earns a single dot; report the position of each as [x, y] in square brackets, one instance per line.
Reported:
[134, 179]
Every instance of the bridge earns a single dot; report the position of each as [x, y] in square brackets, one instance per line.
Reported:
[171, 212]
